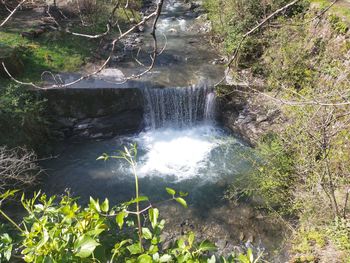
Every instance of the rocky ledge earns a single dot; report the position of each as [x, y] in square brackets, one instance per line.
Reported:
[248, 116]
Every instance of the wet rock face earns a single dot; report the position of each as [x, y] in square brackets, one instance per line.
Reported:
[249, 117]
[253, 122]
[95, 113]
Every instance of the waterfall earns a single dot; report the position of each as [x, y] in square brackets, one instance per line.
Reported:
[178, 106]
[209, 113]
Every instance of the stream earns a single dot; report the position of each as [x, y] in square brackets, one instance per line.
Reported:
[181, 146]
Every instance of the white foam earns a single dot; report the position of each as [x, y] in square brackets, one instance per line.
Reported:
[182, 24]
[180, 153]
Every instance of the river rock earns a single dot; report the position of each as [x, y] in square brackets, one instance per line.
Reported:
[111, 74]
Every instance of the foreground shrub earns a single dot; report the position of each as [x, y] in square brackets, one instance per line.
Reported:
[18, 168]
[23, 121]
[60, 230]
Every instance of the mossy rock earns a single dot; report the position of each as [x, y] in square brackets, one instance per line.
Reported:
[9, 57]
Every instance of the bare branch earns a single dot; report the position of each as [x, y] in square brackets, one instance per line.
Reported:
[12, 13]
[154, 15]
[18, 168]
[263, 22]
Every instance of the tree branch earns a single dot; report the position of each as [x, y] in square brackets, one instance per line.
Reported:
[12, 13]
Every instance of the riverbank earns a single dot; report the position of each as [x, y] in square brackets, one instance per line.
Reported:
[302, 58]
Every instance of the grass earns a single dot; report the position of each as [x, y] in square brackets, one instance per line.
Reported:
[337, 9]
[54, 51]
[59, 51]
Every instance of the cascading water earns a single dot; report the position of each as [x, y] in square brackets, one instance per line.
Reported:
[178, 107]
[180, 131]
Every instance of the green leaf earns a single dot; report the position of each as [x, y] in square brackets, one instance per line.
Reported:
[144, 259]
[94, 204]
[104, 157]
[48, 259]
[5, 238]
[105, 206]
[135, 200]
[207, 246]
[122, 243]
[243, 258]
[8, 252]
[191, 239]
[120, 218]
[84, 246]
[8, 193]
[44, 239]
[170, 191]
[183, 194]
[250, 255]
[181, 201]
[134, 248]
[153, 216]
[146, 233]
[212, 259]
[29, 257]
[165, 258]
[95, 232]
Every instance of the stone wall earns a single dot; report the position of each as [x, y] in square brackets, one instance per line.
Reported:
[95, 113]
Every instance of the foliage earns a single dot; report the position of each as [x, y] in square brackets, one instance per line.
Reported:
[272, 178]
[337, 24]
[53, 51]
[305, 169]
[287, 61]
[94, 14]
[23, 121]
[305, 240]
[60, 230]
[232, 19]
[59, 51]
[6, 244]
[338, 10]
[339, 233]
[18, 168]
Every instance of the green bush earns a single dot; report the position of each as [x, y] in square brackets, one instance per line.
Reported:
[23, 121]
[232, 19]
[272, 179]
[339, 233]
[338, 25]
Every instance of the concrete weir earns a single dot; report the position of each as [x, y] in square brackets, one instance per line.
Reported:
[95, 113]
